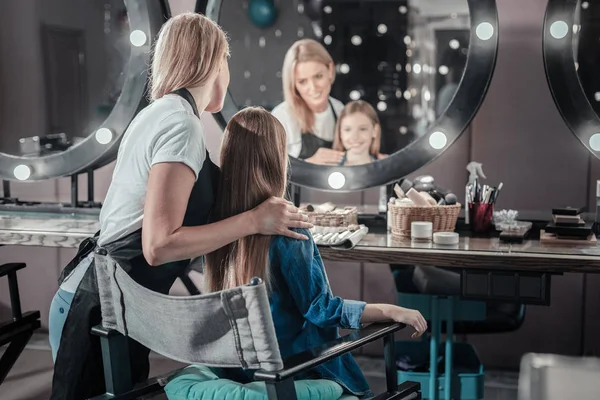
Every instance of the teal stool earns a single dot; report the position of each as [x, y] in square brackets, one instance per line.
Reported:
[465, 383]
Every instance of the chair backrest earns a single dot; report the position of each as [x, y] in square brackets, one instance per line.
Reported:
[231, 328]
[553, 377]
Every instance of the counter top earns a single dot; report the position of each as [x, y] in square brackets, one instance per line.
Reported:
[46, 229]
[485, 253]
[69, 230]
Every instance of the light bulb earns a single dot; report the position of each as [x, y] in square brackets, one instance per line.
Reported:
[137, 38]
[22, 172]
[104, 135]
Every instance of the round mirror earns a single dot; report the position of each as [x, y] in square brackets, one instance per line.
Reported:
[571, 32]
[73, 75]
[371, 90]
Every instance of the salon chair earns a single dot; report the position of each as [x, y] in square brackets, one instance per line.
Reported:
[228, 329]
[16, 332]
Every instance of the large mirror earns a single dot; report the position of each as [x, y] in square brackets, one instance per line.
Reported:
[73, 76]
[368, 91]
[572, 60]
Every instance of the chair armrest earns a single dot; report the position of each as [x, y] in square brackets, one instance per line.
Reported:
[28, 322]
[308, 359]
[101, 331]
[6, 269]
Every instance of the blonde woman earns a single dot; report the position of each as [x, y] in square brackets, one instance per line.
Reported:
[358, 134]
[309, 113]
[305, 312]
[155, 215]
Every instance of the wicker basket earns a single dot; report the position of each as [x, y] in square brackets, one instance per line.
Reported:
[443, 218]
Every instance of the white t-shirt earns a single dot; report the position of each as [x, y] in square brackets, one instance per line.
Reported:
[324, 125]
[165, 131]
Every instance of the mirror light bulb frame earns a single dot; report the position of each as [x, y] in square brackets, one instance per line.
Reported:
[562, 77]
[473, 86]
[146, 16]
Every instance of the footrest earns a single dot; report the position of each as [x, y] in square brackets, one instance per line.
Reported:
[468, 376]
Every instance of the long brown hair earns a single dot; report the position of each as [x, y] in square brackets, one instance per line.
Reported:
[253, 168]
[302, 51]
[359, 106]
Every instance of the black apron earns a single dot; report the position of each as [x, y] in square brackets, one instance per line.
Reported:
[311, 143]
[78, 370]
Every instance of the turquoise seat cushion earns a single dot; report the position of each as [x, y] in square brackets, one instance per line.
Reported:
[201, 383]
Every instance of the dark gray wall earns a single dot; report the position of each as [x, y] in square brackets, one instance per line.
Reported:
[253, 65]
[23, 96]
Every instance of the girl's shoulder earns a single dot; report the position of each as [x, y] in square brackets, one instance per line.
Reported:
[283, 246]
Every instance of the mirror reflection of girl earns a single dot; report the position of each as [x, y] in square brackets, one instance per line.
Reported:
[305, 313]
[358, 134]
[308, 113]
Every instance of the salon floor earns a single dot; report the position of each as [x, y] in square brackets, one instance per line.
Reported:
[31, 377]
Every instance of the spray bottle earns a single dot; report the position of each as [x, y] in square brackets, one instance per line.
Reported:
[475, 171]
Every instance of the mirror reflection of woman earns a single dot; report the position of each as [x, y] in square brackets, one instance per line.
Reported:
[308, 113]
[358, 134]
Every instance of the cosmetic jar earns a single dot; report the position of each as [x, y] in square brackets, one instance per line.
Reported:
[421, 231]
[445, 238]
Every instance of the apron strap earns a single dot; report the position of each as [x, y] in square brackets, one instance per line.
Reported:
[187, 96]
[335, 117]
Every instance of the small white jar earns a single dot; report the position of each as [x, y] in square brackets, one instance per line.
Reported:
[421, 231]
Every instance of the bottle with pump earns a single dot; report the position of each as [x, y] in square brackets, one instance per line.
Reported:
[475, 171]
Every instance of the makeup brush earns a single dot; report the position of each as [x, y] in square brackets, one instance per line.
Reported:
[498, 192]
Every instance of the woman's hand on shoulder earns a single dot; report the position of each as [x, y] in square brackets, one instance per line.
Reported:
[276, 216]
[381, 156]
[325, 156]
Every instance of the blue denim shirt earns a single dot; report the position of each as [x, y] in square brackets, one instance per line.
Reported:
[305, 312]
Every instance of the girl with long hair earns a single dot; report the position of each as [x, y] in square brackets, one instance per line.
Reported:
[305, 313]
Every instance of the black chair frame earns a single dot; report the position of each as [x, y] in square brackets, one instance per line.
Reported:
[16, 332]
[119, 385]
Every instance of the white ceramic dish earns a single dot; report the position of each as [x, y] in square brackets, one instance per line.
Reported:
[445, 238]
